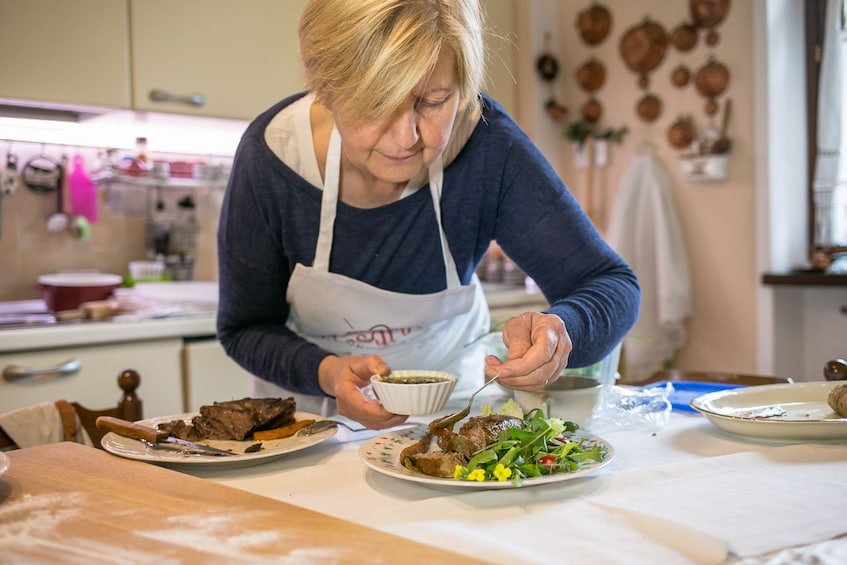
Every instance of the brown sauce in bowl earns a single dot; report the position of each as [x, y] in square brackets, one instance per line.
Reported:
[412, 380]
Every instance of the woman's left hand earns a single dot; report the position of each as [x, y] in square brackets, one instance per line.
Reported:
[344, 377]
[538, 348]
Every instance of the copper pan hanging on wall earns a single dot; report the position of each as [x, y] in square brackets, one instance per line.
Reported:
[594, 24]
[684, 37]
[643, 47]
[707, 14]
[591, 75]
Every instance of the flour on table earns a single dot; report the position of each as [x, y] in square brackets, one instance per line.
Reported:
[225, 535]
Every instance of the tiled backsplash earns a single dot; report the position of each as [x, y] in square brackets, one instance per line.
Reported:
[28, 249]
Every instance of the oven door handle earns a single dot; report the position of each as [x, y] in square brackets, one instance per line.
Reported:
[17, 373]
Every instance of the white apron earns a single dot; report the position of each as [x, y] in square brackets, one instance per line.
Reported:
[435, 331]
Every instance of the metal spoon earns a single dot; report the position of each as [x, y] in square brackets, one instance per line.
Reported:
[448, 421]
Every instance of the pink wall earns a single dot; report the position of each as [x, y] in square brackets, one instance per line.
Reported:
[718, 219]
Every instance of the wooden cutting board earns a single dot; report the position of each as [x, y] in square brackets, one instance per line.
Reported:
[69, 503]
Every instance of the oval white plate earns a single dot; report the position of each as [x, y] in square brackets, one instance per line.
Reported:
[134, 449]
[792, 411]
[4, 462]
[382, 454]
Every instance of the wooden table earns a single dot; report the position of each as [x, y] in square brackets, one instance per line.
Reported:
[69, 503]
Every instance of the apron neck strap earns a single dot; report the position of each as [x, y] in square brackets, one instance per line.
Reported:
[329, 202]
[436, 183]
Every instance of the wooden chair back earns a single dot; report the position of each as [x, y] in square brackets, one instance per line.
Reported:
[835, 370]
[129, 407]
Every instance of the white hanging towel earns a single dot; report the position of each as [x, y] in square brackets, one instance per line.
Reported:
[644, 230]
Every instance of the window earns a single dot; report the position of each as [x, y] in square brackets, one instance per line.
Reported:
[826, 57]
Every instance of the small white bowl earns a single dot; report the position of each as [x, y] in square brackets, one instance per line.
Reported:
[414, 392]
[569, 398]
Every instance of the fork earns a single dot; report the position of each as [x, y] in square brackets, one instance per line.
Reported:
[322, 425]
[177, 450]
[448, 421]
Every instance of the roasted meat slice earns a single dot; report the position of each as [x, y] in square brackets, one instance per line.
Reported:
[438, 463]
[484, 430]
[456, 448]
[266, 413]
[234, 419]
[477, 433]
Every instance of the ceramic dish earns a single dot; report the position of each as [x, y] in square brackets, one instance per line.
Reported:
[788, 412]
[382, 454]
[414, 392]
[134, 449]
[4, 463]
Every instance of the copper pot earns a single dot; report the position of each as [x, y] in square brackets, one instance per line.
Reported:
[680, 76]
[708, 13]
[682, 132]
[643, 46]
[592, 110]
[649, 108]
[684, 37]
[711, 79]
[591, 75]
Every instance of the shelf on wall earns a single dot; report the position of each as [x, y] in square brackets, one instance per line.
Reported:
[803, 278]
[170, 182]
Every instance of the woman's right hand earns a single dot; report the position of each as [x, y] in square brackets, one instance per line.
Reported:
[344, 377]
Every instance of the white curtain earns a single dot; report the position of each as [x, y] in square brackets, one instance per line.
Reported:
[645, 231]
[830, 188]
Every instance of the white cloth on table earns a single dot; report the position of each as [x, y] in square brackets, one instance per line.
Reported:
[645, 231]
[38, 425]
[687, 493]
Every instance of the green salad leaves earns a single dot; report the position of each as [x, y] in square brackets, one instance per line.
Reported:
[543, 447]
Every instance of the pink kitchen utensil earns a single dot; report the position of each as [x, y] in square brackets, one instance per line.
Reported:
[83, 191]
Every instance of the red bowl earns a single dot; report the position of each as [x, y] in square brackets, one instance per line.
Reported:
[66, 291]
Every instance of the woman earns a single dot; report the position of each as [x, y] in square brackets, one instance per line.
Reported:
[357, 213]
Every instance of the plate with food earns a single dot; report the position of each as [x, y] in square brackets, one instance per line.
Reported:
[785, 412]
[244, 432]
[492, 451]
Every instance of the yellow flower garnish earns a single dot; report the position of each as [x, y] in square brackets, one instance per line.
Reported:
[476, 475]
[502, 473]
[457, 472]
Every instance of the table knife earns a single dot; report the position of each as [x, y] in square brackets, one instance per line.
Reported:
[142, 432]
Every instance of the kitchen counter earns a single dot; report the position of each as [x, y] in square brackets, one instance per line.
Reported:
[502, 299]
[69, 334]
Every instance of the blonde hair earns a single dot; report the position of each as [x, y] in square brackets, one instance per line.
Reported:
[364, 57]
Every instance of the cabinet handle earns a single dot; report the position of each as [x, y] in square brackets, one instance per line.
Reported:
[159, 95]
[15, 373]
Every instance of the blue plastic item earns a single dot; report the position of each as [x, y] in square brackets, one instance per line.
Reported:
[686, 391]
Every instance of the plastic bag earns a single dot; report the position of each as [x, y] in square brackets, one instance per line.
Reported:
[622, 408]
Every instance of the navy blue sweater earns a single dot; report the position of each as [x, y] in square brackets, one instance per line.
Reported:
[499, 187]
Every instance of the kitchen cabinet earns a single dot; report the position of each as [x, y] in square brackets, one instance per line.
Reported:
[95, 384]
[209, 375]
[49, 54]
[214, 57]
